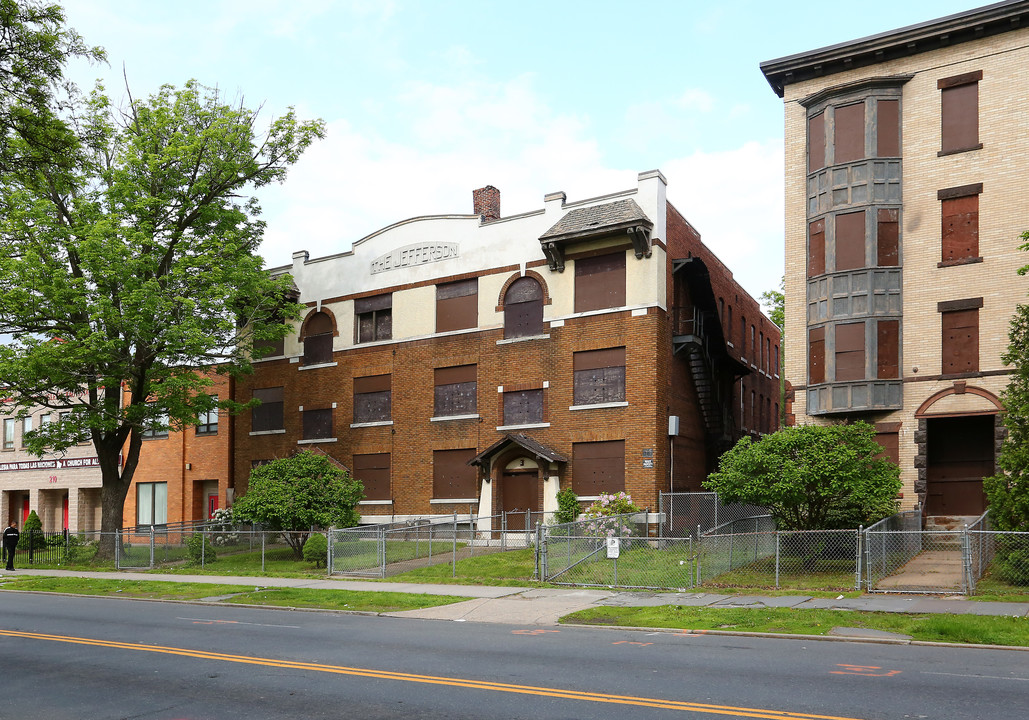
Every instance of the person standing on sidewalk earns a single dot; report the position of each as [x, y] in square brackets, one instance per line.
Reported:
[11, 536]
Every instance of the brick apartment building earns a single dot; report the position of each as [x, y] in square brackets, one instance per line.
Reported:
[906, 159]
[183, 476]
[478, 363]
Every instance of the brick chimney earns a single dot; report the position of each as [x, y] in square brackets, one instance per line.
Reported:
[486, 203]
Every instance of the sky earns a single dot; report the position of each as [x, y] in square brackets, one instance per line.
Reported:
[427, 100]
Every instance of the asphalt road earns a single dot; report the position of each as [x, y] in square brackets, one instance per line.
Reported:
[98, 658]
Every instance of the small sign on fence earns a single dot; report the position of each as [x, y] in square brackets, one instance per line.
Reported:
[613, 547]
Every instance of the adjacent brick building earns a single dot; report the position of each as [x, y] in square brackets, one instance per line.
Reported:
[478, 363]
[906, 158]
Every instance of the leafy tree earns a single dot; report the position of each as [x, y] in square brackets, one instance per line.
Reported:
[567, 506]
[1008, 491]
[135, 263]
[299, 493]
[775, 301]
[34, 48]
[811, 477]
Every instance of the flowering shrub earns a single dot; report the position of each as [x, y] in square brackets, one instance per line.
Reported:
[605, 517]
[222, 524]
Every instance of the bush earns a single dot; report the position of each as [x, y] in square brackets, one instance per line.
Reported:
[567, 506]
[199, 550]
[601, 511]
[316, 550]
[1011, 563]
[32, 533]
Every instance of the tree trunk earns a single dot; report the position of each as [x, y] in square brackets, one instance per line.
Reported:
[115, 482]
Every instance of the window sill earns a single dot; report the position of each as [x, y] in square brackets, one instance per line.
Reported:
[375, 502]
[959, 261]
[444, 418]
[267, 358]
[379, 423]
[529, 426]
[206, 433]
[944, 153]
[312, 441]
[508, 341]
[446, 501]
[599, 406]
[269, 432]
[318, 365]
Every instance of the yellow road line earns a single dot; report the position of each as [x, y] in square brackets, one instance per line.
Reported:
[435, 680]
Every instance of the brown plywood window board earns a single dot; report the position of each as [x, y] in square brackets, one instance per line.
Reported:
[457, 305]
[600, 282]
[373, 318]
[455, 391]
[888, 349]
[888, 237]
[816, 142]
[598, 467]
[888, 128]
[452, 476]
[960, 228]
[959, 113]
[850, 241]
[850, 351]
[523, 309]
[816, 355]
[373, 398]
[816, 248]
[849, 136]
[373, 470]
[267, 415]
[599, 376]
[523, 407]
[960, 341]
[317, 424]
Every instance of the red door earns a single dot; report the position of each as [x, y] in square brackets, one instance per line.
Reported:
[24, 510]
[212, 505]
[64, 511]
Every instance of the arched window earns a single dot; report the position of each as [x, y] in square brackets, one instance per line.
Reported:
[523, 308]
[318, 339]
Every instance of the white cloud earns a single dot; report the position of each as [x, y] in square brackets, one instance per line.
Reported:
[695, 99]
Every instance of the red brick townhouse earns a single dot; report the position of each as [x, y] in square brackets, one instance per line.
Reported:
[461, 363]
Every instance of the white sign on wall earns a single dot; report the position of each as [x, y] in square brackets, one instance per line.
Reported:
[412, 255]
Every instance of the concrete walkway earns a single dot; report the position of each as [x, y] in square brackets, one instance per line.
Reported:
[545, 606]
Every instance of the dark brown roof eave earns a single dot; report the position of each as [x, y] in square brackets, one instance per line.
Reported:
[911, 40]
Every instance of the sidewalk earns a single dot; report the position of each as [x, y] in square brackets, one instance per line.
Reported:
[545, 606]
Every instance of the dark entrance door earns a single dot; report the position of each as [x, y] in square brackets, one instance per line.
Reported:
[519, 493]
[960, 455]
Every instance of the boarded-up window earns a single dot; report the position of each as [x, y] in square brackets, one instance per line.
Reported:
[457, 305]
[960, 344]
[523, 308]
[960, 231]
[888, 237]
[373, 398]
[600, 282]
[816, 142]
[270, 348]
[887, 362]
[318, 340]
[816, 356]
[523, 407]
[816, 248]
[888, 129]
[373, 317]
[317, 424]
[598, 467]
[890, 443]
[267, 415]
[452, 476]
[373, 470]
[850, 241]
[849, 136]
[850, 351]
[599, 376]
[455, 391]
[959, 112]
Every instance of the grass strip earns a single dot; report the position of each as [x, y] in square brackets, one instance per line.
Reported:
[970, 629]
[368, 601]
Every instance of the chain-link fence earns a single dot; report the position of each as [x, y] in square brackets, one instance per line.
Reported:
[890, 544]
[614, 551]
[1004, 554]
[690, 514]
[824, 559]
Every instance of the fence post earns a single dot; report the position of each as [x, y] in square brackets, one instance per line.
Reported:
[117, 548]
[328, 552]
[776, 558]
[966, 561]
[455, 544]
[857, 558]
[151, 547]
[203, 548]
[262, 549]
